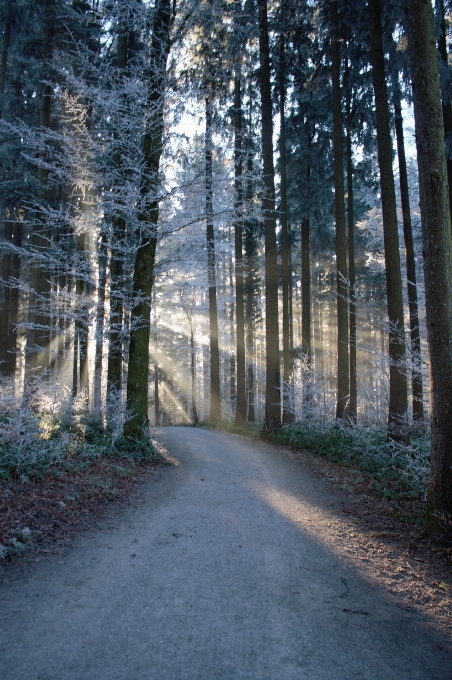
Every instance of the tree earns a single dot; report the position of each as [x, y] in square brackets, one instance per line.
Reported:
[436, 238]
[445, 78]
[215, 398]
[273, 378]
[240, 414]
[285, 242]
[352, 405]
[343, 365]
[416, 379]
[138, 373]
[398, 405]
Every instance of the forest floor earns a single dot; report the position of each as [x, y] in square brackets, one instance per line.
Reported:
[327, 513]
[41, 516]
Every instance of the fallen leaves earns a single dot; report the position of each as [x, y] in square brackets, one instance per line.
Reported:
[61, 501]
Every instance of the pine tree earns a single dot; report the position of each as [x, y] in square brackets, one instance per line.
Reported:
[343, 365]
[437, 245]
[273, 379]
[138, 373]
[240, 414]
[398, 405]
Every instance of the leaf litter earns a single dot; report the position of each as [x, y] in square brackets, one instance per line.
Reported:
[40, 516]
[384, 539]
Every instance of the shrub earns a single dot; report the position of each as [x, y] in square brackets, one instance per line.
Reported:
[407, 467]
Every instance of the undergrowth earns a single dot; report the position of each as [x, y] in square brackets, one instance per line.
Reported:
[32, 443]
[397, 471]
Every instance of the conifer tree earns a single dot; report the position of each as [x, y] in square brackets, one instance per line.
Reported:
[343, 365]
[437, 245]
[138, 372]
[398, 405]
[273, 377]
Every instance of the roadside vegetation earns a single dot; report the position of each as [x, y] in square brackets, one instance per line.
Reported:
[397, 472]
[52, 429]
[60, 466]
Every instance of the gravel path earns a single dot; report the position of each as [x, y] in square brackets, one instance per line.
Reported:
[217, 572]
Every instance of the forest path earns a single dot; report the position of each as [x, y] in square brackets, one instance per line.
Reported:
[224, 569]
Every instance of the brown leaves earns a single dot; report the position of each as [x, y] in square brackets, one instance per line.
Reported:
[62, 501]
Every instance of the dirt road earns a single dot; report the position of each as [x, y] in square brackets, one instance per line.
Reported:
[218, 572]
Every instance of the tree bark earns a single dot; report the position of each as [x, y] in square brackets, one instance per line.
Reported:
[250, 284]
[115, 353]
[398, 398]
[353, 401]
[5, 50]
[215, 399]
[102, 260]
[10, 306]
[38, 335]
[343, 370]
[446, 102]
[156, 383]
[138, 373]
[416, 375]
[273, 377]
[240, 413]
[194, 410]
[436, 237]
[306, 330]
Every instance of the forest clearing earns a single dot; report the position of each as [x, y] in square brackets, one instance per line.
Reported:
[234, 216]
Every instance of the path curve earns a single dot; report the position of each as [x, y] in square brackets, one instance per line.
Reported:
[216, 573]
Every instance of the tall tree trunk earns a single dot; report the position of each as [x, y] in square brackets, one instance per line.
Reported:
[353, 401]
[416, 375]
[5, 303]
[446, 99]
[65, 338]
[288, 415]
[306, 330]
[250, 253]
[156, 394]
[436, 237]
[143, 276]
[13, 306]
[232, 363]
[75, 362]
[398, 404]
[343, 373]
[320, 351]
[102, 259]
[84, 295]
[38, 335]
[115, 353]
[215, 400]
[156, 384]
[5, 50]
[273, 377]
[80, 377]
[194, 410]
[5, 331]
[240, 413]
